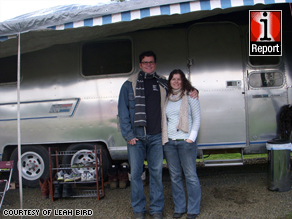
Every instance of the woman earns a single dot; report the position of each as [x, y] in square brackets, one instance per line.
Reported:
[181, 122]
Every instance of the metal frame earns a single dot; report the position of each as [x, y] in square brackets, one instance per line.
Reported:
[5, 166]
[98, 192]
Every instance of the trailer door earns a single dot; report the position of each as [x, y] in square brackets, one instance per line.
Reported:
[216, 70]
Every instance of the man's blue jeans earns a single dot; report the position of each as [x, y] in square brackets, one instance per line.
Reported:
[181, 157]
[151, 148]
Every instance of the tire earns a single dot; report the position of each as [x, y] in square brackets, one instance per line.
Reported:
[35, 165]
[79, 157]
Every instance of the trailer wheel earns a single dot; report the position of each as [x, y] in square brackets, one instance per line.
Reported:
[34, 164]
[84, 155]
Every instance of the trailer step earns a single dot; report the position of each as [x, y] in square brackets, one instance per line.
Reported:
[231, 162]
[225, 162]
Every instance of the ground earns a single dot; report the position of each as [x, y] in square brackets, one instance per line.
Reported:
[227, 192]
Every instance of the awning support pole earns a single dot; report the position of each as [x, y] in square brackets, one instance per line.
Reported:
[18, 123]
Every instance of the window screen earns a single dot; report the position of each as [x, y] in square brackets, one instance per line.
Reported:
[108, 57]
[266, 79]
[8, 69]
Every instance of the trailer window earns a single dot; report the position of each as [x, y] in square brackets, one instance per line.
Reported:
[266, 79]
[109, 57]
[264, 60]
[8, 69]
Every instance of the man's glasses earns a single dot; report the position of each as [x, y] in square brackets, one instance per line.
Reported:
[146, 63]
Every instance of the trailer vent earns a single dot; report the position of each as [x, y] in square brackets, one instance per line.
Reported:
[233, 84]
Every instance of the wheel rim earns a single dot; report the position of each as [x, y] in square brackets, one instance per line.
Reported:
[83, 158]
[32, 165]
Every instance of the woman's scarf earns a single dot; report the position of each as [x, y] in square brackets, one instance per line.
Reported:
[183, 122]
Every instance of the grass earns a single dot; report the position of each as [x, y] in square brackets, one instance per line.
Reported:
[227, 156]
[289, 216]
[232, 156]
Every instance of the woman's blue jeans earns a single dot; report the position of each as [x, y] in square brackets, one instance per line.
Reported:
[181, 157]
[151, 148]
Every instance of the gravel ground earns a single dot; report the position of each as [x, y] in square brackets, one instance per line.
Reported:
[227, 192]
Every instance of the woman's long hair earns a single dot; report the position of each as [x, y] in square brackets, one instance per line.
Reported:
[186, 85]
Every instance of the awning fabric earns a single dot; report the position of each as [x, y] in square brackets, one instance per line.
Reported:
[156, 10]
[64, 17]
[108, 19]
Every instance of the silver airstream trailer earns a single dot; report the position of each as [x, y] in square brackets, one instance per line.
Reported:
[70, 82]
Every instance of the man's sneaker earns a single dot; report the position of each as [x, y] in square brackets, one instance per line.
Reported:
[84, 176]
[60, 176]
[77, 165]
[157, 216]
[139, 216]
[90, 176]
[71, 177]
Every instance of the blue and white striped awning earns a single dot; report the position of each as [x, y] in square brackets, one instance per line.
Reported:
[118, 12]
[169, 9]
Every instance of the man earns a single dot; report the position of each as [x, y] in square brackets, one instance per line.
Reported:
[141, 100]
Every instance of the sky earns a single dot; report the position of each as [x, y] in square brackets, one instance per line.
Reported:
[13, 8]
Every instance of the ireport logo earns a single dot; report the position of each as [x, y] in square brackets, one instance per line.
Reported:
[265, 33]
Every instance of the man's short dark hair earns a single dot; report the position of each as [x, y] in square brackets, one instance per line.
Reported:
[147, 53]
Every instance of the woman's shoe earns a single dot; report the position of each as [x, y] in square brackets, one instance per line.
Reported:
[191, 216]
[177, 215]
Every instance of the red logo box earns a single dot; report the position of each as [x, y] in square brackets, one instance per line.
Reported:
[265, 33]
